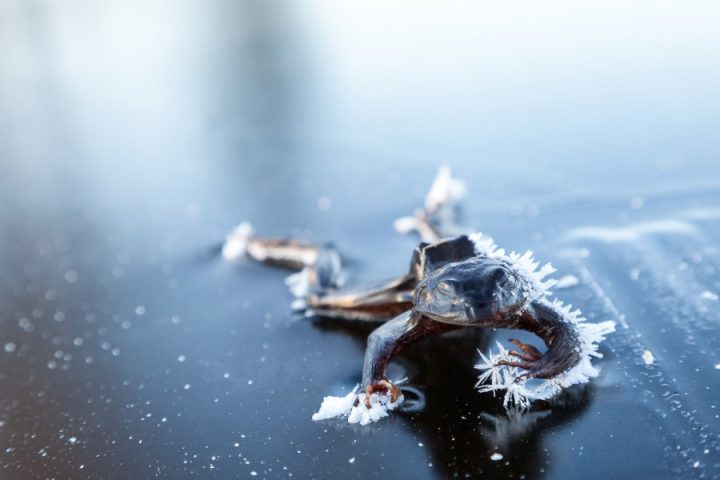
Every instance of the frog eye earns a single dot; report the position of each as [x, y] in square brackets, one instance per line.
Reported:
[445, 289]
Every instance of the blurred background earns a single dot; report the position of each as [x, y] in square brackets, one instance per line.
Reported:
[135, 134]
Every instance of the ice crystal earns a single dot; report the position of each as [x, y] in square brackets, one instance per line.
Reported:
[353, 407]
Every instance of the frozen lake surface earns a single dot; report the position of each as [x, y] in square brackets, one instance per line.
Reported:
[134, 136]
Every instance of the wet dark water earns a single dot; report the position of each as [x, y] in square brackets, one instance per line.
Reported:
[133, 136]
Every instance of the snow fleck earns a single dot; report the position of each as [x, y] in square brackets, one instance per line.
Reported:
[351, 460]
[567, 281]
[250, 382]
[186, 386]
[71, 276]
[253, 473]
[236, 444]
[496, 457]
[717, 366]
[708, 295]
[324, 203]
[648, 357]
[181, 358]
[634, 274]
[10, 347]
[226, 375]
[78, 341]
[140, 310]
[696, 464]
[163, 419]
[193, 208]
[636, 203]
[72, 439]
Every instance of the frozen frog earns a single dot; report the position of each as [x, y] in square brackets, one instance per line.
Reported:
[462, 281]
[454, 281]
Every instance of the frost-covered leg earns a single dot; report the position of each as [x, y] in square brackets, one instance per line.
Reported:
[377, 394]
[373, 304]
[319, 264]
[439, 215]
[389, 339]
[571, 343]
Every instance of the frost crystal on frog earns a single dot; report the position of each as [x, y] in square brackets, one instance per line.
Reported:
[521, 393]
[524, 265]
[236, 242]
[353, 407]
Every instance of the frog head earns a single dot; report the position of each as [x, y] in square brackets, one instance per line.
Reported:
[471, 292]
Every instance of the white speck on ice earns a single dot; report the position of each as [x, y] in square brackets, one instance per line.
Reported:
[226, 375]
[496, 457]
[163, 419]
[351, 460]
[72, 439]
[186, 386]
[648, 357]
[636, 203]
[71, 276]
[634, 274]
[324, 203]
[567, 281]
[253, 473]
[250, 382]
[236, 444]
[708, 295]
[181, 358]
[717, 366]
[140, 310]
[9, 347]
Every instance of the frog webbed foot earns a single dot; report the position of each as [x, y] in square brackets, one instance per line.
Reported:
[383, 387]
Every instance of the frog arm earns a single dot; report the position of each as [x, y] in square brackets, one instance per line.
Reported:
[377, 396]
[571, 344]
[385, 342]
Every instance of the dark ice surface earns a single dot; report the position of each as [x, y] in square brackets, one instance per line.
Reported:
[135, 134]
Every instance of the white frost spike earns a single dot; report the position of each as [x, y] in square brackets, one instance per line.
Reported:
[445, 191]
[300, 283]
[524, 265]
[236, 242]
[496, 377]
[380, 405]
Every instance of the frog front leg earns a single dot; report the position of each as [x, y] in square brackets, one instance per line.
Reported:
[571, 343]
[386, 342]
[377, 395]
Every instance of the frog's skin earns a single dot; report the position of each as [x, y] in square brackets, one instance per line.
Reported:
[464, 281]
